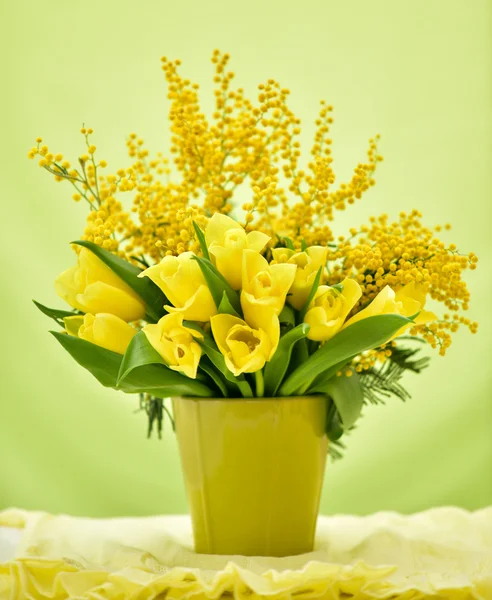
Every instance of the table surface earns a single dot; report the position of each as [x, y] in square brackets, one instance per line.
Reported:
[9, 540]
[442, 553]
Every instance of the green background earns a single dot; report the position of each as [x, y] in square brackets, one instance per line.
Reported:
[418, 73]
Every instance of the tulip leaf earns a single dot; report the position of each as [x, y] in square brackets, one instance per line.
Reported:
[226, 308]
[151, 295]
[218, 285]
[105, 365]
[140, 352]
[276, 368]
[304, 246]
[201, 239]
[365, 334]
[348, 397]
[288, 242]
[56, 314]
[207, 367]
[318, 385]
[334, 428]
[287, 315]
[162, 382]
[312, 294]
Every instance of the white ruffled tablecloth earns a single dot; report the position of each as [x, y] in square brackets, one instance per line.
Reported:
[440, 554]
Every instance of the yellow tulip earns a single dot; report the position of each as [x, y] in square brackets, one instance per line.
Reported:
[308, 264]
[245, 348]
[226, 240]
[93, 287]
[265, 285]
[329, 309]
[107, 331]
[408, 301]
[182, 281]
[175, 343]
[72, 324]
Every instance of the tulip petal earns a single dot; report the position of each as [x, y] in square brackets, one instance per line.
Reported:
[221, 325]
[108, 331]
[217, 227]
[262, 317]
[318, 256]
[67, 288]
[283, 276]
[175, 344]
[228, 261]
[257, 240]
[252, 264]
[99, 297]
[414, 291]
[383, 303]
[199, 307]
[72, 324]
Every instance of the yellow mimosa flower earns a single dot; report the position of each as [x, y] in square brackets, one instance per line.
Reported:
[245, 348]
[308, 264]
[181, 279]
[105, 330]
[93, 287]
[175, 343]
[329, 309]
[226, 241]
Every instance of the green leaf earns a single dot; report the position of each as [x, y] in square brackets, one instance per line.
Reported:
[201, 238]
[318, 385]
[105, 365]
[159, 381]
[347, 394]
[287, 315]
[208, 368]
[288, 243]
[195, 327]
[365, 334]
[334, 429]
[140, 352]
[276, 368]
[152, 296]
[226, 308]
[217, 358]
[54, 313]
[300, 353]
[304, 246]
[218, 284]
[312, 293]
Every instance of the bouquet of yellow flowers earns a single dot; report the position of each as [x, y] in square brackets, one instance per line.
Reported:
[203, 295]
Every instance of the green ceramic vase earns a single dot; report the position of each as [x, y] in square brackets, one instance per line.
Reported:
[253, 470]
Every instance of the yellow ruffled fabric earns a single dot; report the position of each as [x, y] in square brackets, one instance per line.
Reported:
[440, 554]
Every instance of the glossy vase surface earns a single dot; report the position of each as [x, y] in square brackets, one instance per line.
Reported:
[253, 470]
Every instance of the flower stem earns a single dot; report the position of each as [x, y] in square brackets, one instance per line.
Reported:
[260, 384]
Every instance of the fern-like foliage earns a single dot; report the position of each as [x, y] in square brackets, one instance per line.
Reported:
[380, 383]
[384, 381]
[335, 450]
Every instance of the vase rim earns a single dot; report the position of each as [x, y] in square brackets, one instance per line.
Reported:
[252, 399]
